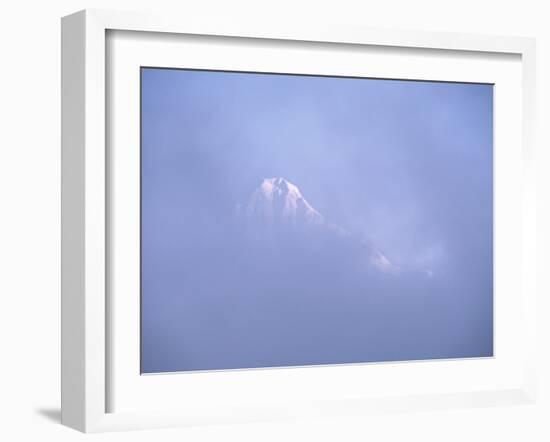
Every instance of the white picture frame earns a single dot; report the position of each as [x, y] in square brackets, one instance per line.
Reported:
[87, 356]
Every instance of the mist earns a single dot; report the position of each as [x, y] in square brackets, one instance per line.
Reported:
[404, 165]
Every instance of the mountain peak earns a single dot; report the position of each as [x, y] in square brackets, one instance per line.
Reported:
[280, 186]
[279, 200]
[278, 205]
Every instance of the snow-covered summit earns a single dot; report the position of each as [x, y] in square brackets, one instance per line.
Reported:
[278, 200]
[279, 204]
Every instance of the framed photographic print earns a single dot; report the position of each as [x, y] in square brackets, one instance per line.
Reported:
[268, 223]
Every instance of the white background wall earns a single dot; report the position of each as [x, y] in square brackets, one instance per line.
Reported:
[30, 221]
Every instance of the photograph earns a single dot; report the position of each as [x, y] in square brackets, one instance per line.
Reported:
[292, 220]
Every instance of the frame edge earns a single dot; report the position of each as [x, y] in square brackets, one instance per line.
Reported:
[83, 322]
[73, 80]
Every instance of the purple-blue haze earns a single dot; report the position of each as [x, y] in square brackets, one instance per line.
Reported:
[405, 166]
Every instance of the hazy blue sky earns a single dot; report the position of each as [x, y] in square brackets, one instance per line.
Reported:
[407, 165]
